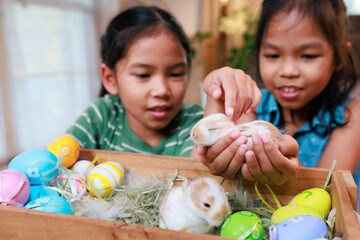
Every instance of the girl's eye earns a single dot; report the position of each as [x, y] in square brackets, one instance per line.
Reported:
[309, 56]
[145, 75]
[272, 56]
[179, 74]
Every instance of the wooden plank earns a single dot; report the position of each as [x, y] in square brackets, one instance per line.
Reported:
[350, 186]
[346, 222]
[20, 223]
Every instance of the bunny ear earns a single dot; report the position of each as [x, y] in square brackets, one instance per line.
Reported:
[187, 181]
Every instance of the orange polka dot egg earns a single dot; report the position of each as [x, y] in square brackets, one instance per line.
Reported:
[65, 146]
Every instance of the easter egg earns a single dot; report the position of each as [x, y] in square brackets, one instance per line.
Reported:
[66, 146]
[243, 225]
[316, 198]
[37, 191]
[50, 204]
[72, 182]
[39, 166]
[83, 166]
[301, 227]
[14, 188]
[104, 178]
[292, 210]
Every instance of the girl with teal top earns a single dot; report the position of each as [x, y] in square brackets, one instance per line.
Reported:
[303, 60]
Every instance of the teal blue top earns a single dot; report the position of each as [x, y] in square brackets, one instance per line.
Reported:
[311, 144]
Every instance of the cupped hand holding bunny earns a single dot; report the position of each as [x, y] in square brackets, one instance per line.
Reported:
[255, 150]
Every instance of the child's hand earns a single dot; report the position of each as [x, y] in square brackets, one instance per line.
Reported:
[271, 162]
[225, 158]
[235, 89]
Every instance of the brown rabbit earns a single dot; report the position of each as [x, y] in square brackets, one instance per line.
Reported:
[215, 126]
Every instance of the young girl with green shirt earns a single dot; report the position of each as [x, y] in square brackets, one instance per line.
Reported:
[145, 65]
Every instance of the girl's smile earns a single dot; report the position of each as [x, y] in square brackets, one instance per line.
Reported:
[296, 61]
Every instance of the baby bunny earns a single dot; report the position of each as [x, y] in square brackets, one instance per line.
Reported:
[195, 206]
[215, 126]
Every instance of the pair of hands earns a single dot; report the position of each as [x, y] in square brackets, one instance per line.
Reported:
[234, 93]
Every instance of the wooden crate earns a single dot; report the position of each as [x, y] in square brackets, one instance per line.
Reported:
[20, 223]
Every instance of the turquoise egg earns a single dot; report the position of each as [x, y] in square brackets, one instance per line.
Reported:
[37, 191]
[50, 204]
[40, 166]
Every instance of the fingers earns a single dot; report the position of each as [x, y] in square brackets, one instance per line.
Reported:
[233, 86]
[223, 157]
[267, 164]
[256, 99]
[288, 146]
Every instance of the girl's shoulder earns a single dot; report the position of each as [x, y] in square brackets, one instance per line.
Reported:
[354, 110]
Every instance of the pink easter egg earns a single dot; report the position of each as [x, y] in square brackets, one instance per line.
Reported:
[14, 188]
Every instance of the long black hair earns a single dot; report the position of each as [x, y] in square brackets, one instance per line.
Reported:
[132, 24]
[330, 17]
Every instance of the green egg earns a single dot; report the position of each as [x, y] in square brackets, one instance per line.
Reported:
[292, 210]
[316, 198]
[243, 224]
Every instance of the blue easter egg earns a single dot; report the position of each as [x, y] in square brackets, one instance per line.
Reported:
[50, 204]
[300, 227]
[38, 165]
[37, 191]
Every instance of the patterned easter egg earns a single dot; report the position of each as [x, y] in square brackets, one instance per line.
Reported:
[39, 166]
[292, 210]
[50, 204]
[243, 225]
[14, 188]
[316, 198]
[72, 182]
[67, 147]
[300, 227]
[104, 178]
[37, 191]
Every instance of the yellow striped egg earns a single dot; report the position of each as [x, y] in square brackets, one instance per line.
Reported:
[104, 178]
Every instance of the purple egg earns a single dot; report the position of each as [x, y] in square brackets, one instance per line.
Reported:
[300, 227]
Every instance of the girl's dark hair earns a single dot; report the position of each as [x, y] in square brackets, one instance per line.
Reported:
[132, 24]
[330, 17]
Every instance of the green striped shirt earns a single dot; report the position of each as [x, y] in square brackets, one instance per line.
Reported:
[103, 125]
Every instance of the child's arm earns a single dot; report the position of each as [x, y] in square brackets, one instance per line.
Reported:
[344, 143]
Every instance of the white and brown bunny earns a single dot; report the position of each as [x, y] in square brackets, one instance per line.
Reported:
[215, 126]
[195, 206]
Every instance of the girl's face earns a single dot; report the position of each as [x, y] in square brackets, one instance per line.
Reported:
[151, 81]
[295, 61]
